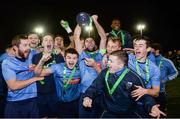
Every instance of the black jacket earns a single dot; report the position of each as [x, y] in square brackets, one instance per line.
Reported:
[121, 101]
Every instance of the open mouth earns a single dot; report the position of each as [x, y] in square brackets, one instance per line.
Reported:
[33, 42]
[90, 47]
[71, 64]
[26, 52]
[138, 53]
[58, 44]
[49, 47]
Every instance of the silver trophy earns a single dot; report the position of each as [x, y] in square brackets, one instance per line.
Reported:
[83, 19]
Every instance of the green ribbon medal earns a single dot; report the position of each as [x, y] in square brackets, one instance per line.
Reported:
[160, 63]
[122, 36]
[70, 77]
[111, 91]
[146, 68]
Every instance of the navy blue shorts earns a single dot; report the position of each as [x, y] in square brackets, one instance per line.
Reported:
[22, 109]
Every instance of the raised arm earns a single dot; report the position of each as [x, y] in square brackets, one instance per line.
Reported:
[77, 33]
[39, 71]
[66, 26]
[101, 32]
[72, 44]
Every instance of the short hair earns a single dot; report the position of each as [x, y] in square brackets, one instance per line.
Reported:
[58, 35]
[142, 37]
[71, 51]
[48, 34]
[116, 19]
[17, 39]
[122, 55]
[157, 46]
[9, 46]
[115, 39]
[30, 33]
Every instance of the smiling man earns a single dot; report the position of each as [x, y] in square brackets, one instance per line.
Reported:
[67, 78]
[33, 40]
[117, 82]
[47, 96]
[22, 91]
[145, 68]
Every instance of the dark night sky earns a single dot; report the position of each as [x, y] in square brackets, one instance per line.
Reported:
[161, 17]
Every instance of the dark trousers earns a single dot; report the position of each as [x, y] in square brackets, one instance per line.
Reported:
[162, 101]
[94, 112]
[68, 109]
[129, 114]
[48, 105]
[22, 109]
[2, 105]
[141, 111]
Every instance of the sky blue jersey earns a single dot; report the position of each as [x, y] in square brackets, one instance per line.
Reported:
[151, 57]
[88, 74]
[3, 56]
[149, 72]
[32, 53]
[61, 75]
[168, 70]
[13, 68]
